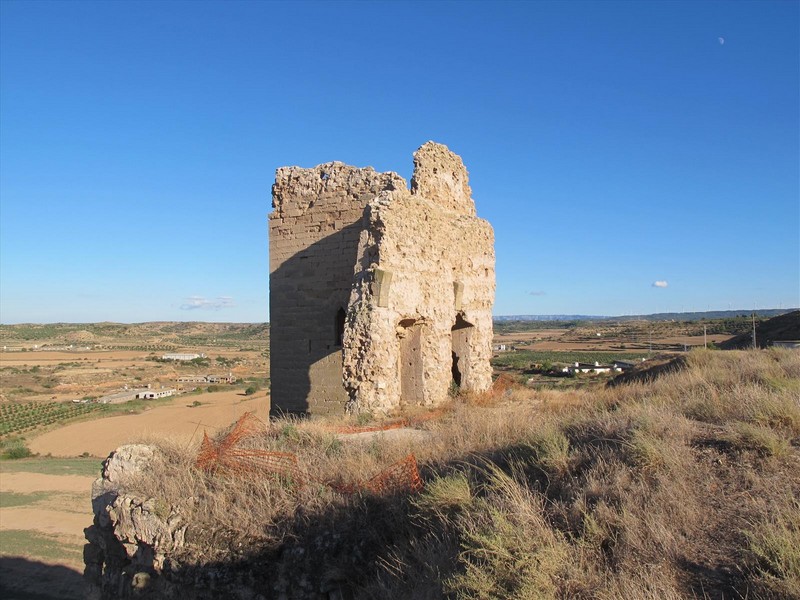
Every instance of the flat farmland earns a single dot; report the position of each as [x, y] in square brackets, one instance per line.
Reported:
[179, 419]
[612, 345]
[44, 507]
[527, 337]
[664, 336]
[76, 375]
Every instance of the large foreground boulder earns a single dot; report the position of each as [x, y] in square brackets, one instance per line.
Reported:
[131, 536]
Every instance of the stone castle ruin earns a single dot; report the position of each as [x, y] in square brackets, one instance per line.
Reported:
[380, 297]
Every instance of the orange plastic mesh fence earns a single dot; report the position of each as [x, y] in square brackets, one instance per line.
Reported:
[404, 422]
[502, 384]
[428, 416]
[370, 428]
[226, 456]
[402, 476]
[212, 455]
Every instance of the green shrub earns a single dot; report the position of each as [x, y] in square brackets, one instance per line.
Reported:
[445, 495]
[550, 449]
[14, 448]
[364, 417]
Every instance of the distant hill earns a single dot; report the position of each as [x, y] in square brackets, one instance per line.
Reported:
[502, 318]
[671, 316]
[783, 327]
[154, 332]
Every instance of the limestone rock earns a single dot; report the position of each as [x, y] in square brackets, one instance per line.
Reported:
[121, 464]
[126, 461]
[131, 536]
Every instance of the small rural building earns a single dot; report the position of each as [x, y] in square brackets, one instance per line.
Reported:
[229, 378]
[580, 367]
[152, 394]
[181, 356]
[122, 396]
[621, 365]
[786, 344]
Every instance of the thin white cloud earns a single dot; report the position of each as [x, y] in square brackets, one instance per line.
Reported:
[201, 303]
[537, 293]
[660, 284]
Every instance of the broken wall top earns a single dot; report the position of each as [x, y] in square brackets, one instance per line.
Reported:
[441, 177]
[302, 190]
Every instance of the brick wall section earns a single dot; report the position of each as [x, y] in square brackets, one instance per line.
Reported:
[313, 241]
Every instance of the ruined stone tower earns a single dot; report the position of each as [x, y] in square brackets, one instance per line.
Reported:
[379, 296]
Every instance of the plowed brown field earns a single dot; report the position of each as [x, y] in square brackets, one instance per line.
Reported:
[177, 420]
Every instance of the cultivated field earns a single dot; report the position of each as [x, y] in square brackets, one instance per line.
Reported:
[177, 418]
[615, 337]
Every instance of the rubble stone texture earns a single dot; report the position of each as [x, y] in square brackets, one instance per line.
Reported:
[380, 297]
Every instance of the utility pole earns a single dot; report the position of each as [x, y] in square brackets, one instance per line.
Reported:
[705, 336]
[754, 331]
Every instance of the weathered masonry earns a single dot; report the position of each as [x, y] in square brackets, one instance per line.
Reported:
[379, 296]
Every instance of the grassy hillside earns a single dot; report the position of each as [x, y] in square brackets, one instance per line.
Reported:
[783, 327]
[682, 487]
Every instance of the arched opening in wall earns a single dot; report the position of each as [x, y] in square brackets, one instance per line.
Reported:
[460, 338]
[339, 328]
[409, 333]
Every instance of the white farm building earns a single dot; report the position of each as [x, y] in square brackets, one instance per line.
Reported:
[153, 394]
[181, 356]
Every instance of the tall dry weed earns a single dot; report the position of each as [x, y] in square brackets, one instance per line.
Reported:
[774, 544]
[509, 550]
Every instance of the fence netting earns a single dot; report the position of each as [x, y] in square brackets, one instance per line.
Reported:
[230, 455]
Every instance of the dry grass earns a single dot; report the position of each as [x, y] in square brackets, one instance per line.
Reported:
[665, 489]
[509, 550]
[774, 543]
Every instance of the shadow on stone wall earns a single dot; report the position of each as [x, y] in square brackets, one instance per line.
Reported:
[307, 293]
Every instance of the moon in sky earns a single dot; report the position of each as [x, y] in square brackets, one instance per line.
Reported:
[721, 40]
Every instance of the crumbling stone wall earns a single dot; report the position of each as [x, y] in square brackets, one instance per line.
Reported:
[406, 278]
[314, 231]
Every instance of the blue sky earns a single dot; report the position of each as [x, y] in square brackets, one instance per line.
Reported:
[612, 145]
